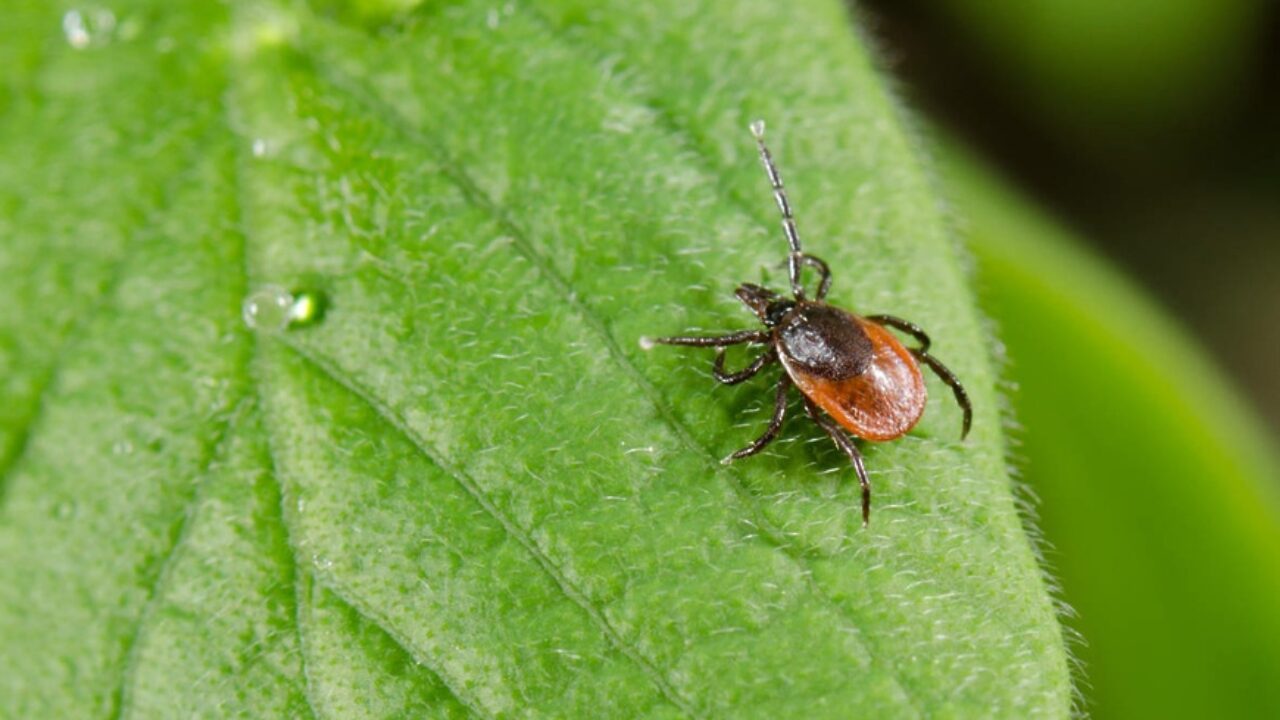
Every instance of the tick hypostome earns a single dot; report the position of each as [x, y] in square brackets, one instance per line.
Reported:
[853, 373]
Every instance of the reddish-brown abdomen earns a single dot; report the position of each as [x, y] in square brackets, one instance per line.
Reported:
[883, 401]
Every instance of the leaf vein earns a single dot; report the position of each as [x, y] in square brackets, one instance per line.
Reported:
[255, 381]
[349, 599]
[290, 557]
[471, 488]
[69, 337]
[121, 698]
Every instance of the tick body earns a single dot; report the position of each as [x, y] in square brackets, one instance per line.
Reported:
[855, 376]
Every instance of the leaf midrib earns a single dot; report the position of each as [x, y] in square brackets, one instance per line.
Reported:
[253, 379]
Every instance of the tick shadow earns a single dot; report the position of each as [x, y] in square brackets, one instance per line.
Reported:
[804, 485]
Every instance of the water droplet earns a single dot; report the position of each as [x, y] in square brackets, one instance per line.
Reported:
[64, 510]
[122, 447]
[757, 128]
[267, 308]
[84, 28]
[321, 562]
[272, 308]
[260, 148]
[73, 27]
[307, 307]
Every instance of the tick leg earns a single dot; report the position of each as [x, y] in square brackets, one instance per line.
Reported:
[843, 442]
[818, 264]
[948, 377]
[905, 326]
[746, 373]
[734, 338]
[922, 354]
[771, 432]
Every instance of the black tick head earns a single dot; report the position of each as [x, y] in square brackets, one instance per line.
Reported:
[768, 305]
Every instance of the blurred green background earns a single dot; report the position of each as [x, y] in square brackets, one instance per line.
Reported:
[1150, 133]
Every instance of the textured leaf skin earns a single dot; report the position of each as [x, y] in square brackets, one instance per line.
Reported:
[1157, 487]
[466, 490]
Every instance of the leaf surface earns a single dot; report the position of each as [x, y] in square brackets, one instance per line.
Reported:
[465, 490]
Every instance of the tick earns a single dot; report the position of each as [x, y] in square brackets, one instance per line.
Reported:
[853, 373]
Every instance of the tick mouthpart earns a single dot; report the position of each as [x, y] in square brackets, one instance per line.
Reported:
[755, 297]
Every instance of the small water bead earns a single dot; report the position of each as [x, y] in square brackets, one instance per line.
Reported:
[73, 27]
[91, 26]
[272, 308]
[307, 307]
[268, 308]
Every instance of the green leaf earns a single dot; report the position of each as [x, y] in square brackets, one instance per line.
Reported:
[1158, 488]
[465, 489]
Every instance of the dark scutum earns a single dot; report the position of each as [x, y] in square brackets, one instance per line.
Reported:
[825, 341]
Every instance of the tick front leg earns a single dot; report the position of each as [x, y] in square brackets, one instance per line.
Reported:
[821, 266]
[844, 442]
[948, 377]
[817, 263]
[735, 338]
[775, 425]
[746, 373]
[905, 326]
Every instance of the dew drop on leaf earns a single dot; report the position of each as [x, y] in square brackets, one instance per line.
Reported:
[88, 27]
[267, 308]
[73, 27]
[272, 308]
[307, 307]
